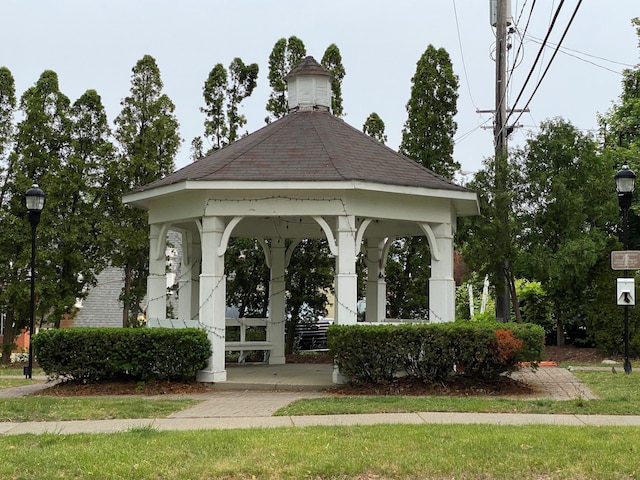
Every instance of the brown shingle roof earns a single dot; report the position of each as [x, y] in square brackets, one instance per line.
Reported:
[308, 146]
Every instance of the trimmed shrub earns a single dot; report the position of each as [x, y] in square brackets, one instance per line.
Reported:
[95, 354]
[433, 352]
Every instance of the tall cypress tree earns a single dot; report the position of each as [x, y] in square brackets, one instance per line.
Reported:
[8, 104]
[427, 136]
[148, 138]
[285, 55]
[332, 61]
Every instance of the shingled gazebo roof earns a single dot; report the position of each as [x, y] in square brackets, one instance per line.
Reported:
[308, 146]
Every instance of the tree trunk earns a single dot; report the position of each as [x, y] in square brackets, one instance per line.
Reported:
[7, 339]
[559, 331]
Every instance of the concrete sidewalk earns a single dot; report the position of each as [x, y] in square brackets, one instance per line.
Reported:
[254, 392]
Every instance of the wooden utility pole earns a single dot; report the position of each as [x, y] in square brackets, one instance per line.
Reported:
[500, 142]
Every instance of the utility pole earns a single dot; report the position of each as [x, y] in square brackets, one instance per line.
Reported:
[500, 142]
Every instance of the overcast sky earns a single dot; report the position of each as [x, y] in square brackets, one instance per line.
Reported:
[94, 44]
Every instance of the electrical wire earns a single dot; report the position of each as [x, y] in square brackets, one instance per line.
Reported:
[464, 66]
[562, 50]
[555, 52]
[535, 62]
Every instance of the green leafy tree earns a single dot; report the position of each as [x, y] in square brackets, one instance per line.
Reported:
[307, 286]
[332, 62]
[61, 146]
[285, 55]
[148, 139]
[42, 148]
[8, 103]
[247, 278]
[564, 224]
[374, 127]
[427, 136]
[214, 92]
[223, 93]
[242, 81]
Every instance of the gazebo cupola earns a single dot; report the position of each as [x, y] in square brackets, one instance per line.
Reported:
[309, 87]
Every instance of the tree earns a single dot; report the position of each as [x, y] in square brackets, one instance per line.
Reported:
[332, 61]
[214, 91]
[427, 136]
[148, 138]
[223, 92]
[242, 81]
[374, 127]
[8, 104]
[285, 55]
[564, 224]
[309, 278]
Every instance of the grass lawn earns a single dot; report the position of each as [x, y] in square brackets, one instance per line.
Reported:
[14, 382]
[619, 395]
[362, 452]
[48, 409]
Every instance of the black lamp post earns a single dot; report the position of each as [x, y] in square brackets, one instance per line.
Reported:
[34, 200]
[625, 184]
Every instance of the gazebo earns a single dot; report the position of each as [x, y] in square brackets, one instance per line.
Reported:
[307, 175]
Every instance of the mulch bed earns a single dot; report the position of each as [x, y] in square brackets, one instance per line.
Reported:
[461, 386]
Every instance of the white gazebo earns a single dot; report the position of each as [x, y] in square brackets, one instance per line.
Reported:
[307, 175]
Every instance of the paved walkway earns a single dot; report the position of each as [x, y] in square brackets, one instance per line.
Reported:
[252, 393]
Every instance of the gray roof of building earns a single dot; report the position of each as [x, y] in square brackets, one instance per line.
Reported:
[308, 146]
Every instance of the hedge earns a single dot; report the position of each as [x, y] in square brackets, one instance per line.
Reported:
[433, 352]
[95, 354]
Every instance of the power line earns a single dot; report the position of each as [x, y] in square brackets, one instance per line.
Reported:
[464, 66]
[562, 50]
[555, 52]
[535, 62]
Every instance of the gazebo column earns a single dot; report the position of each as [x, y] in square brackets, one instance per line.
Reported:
[212, 298]
[277, 301]
[442, 288]
[188, 289]
[157, 279]
[346, 279]
[376, 284]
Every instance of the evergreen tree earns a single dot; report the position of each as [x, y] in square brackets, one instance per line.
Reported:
[285, 55]
[374, 127]
[8, 104]
[223, 93]
[147, 134]
[427, 136]
[332, 61]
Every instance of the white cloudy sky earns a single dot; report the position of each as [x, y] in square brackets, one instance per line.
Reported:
[94, 44]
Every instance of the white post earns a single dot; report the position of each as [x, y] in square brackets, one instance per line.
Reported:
[188, 289]
[157, 279]
[212, 298]
[277, 299]
[442, 287]
[346, 278]
[376, 283]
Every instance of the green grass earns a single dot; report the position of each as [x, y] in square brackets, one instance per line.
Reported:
[14, 382]
[17, 371]
[45, 408]
[380, 451]
[619, 395]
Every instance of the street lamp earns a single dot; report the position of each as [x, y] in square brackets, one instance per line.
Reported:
[34, 200]
[625, 184]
